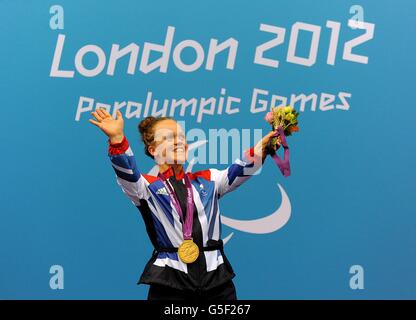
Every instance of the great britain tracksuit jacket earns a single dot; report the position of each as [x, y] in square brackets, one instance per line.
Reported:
[163, 225]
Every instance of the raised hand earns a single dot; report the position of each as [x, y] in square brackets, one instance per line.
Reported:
[113, 128]
[264, 146]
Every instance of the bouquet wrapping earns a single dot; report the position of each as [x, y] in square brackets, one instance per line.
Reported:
[284, 120]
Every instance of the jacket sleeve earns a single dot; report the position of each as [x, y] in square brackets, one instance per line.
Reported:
[128, 176]
[240, 171]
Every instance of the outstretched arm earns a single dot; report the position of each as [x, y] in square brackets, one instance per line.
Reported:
[240, 171]
[128, 177]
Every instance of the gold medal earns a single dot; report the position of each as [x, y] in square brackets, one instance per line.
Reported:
[188, 251]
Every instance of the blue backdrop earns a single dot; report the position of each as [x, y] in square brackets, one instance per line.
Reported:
[352, 179]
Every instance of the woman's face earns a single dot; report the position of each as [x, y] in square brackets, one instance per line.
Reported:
[169, 145]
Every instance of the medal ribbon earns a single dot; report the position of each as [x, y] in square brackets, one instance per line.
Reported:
[284, 165]
[187, 224]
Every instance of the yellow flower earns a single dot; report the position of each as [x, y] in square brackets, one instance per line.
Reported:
[288, 109]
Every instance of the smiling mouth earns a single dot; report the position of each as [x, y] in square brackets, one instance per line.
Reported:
[179, 149]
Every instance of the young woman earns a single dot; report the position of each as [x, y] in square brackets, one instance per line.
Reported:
[180, 210]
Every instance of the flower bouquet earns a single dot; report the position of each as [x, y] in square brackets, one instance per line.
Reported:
[284, 120]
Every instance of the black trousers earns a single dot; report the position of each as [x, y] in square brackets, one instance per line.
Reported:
[225, 291]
